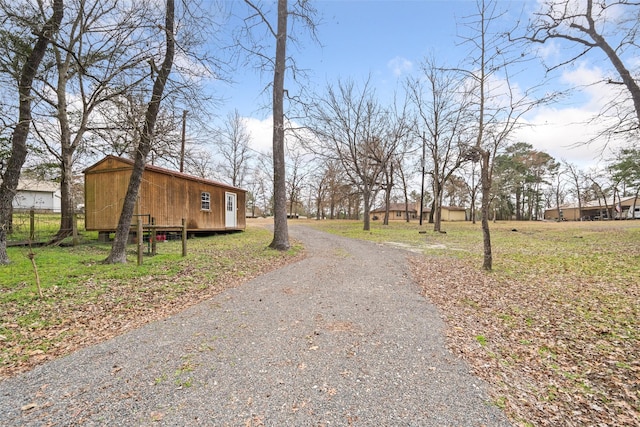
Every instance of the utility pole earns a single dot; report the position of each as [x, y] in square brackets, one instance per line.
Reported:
[422, 184]
[184, 131]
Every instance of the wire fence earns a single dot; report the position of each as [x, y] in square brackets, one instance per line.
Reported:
[34, 227]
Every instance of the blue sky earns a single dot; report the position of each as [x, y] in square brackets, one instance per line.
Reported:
[358, 38]
[388, 39]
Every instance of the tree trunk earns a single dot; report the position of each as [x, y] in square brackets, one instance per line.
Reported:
[387, 193]
[118, 250]
[318, 209]
[366, 195]
[437, 203]
[21, 131]
[518, 208]
[405, 193]
[432, 212]
[280, 229]
[66, 199]
[487, 263]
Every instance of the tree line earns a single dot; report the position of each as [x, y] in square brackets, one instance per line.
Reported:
[78, 82]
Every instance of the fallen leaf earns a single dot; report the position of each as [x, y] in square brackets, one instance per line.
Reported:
[29, 407]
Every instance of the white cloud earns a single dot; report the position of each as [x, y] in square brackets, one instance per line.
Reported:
[570, 130]
[581, 74]
[261, 131]
[564, 134]
[400, 65]
[549, 52]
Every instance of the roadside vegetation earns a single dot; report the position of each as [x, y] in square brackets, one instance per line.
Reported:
[85, 302]
[554, 329]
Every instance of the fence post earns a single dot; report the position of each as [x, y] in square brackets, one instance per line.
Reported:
[153, 236]
[32, 225]
[140, 240]
[184, 237]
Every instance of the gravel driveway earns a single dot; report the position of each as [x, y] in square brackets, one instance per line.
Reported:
[341, 338]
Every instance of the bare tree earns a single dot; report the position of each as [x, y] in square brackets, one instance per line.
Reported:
[32, 60]
[386, 185]
[233, 145]
[497, 103]
[337, 188]
[97, 57]
[118, 133]
[456, 191]
[295, 180]
[472, 185]
[600, 189]
[280, 229]
[609, 26]
[625, 168]
[404, 172]
[264, 177]
[199, 162]
[302, 10]
[116, 130]
[576, 177]
[442, 113]
[557, 191]
[318, 183]
[352, 128]
[118, 250]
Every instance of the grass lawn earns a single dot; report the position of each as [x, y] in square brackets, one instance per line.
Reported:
[85, 302]
[554, 328]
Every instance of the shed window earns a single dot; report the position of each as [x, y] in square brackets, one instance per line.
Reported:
[205, 204]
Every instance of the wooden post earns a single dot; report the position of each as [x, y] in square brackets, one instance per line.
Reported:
[184, 237]
[140, 241]
[32, 225]
[153, 237]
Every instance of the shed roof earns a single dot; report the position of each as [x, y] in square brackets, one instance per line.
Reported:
[29, 184]
[454, 208]
[164, 171]
[393, 207]
[596, 203]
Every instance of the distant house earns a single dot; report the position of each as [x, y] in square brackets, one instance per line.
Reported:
[453, 213]
[592, 210]
[166, 196]
[448, 213]
[41, 196]
[397, 212]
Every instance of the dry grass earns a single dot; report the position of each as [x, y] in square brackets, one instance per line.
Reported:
[555, 328]
[86, 302]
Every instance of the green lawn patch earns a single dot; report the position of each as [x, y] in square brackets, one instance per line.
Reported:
[85, 301]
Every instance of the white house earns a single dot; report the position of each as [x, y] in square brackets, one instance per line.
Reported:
[37, 195]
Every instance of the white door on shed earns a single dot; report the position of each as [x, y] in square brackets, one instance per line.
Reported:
[230, 211]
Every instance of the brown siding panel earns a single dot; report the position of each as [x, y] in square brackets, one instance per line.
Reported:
[165, 195]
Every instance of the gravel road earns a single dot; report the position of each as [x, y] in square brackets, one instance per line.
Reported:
[341, 338]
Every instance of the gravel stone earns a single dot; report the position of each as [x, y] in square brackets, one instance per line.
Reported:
[341, 338]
